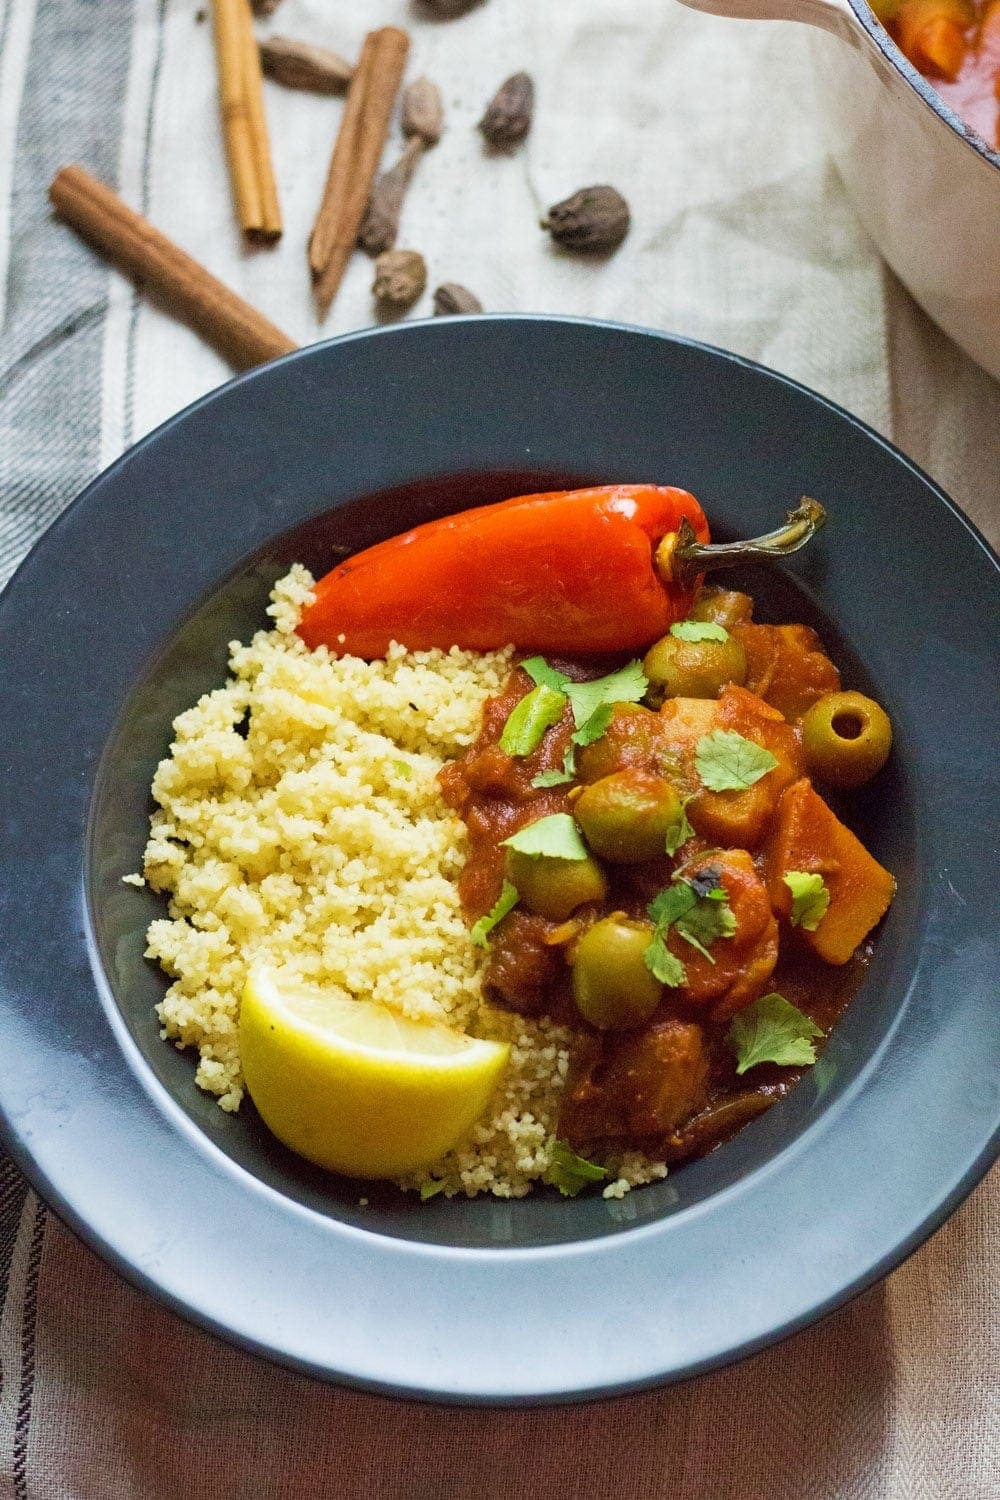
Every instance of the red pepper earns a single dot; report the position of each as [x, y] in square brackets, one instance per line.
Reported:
[568, 572]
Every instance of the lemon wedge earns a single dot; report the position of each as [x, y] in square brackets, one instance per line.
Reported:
[355, 1087]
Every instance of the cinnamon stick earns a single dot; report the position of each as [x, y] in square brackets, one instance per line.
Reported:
[240, 333]
[241, 98]
[356, 155]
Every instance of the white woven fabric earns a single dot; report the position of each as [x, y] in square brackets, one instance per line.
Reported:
[741, 236]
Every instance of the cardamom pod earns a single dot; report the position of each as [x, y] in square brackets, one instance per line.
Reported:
[451, 300]
[507, 119]
[380, 225]
[299, 65]
[591, 220]
[449, 8]
[400, 277]
[423, 111]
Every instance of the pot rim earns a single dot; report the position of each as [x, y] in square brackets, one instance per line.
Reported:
[883, 41]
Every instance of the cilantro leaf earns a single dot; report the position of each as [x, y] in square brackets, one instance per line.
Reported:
[708, 919]
[662, 964]
[571, 1173]
[540, 672]
[627, 685]
[430, 1188]
[727, 762]
[557, 836]
[698, 910]
[592, 701]
[558, 778]
[773, 1030]
[527, 723]
[505, 902]
[810, 898]
[594, 726]
[698, 630]
[679, 831]
[676, 901]
[401, 767]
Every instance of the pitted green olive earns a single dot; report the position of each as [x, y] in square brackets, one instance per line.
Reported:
[692, 669]
[846, 738]
[628, 816]
[554, 888]
[612, 986]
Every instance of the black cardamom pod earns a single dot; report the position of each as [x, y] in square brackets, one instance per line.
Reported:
[594, 219]
[508, 115]
[451, 300]
[400, 277]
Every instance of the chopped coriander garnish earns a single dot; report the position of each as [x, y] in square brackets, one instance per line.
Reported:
[728, 762]
[709, 918]
[698, 910]
[540, 672]
[664, 965]
[430, 1188]
[526, 726]
[680, 831]
[592, 701]
[556, 836]
[628, 685]
[571, 1173]
[810, 899]
[505, 902]
[558, 778]
[675, 902]
[699, 630]
[594, 727]
[773, 1030]
[402, 767]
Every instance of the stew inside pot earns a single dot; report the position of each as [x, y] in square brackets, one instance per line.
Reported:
[956, 45]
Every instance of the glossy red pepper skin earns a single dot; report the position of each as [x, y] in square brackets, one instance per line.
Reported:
[571, 571]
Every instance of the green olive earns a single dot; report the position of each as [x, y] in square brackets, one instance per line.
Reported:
[554, 888]
[633, 738]
[724, 607]
[612, 987]
[846, 738]
[693, 669]
[626, 817]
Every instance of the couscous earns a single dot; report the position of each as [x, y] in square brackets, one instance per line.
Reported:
[300, 822]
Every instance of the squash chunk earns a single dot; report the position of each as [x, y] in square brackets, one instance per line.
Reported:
[809, 837]
[741, 965]
[787, 666]
[739, 818]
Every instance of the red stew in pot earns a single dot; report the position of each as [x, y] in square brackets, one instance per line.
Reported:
[955, 44]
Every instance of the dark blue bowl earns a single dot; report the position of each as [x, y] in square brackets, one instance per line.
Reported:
[120, 618]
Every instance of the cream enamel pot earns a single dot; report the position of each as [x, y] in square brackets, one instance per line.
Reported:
[926, 187]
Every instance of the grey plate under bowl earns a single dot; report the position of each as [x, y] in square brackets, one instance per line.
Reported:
[120, 618]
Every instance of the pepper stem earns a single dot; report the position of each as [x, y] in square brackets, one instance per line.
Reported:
[681, 558]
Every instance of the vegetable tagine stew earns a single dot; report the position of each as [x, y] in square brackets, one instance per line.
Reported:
[956, 45]
[507, 857]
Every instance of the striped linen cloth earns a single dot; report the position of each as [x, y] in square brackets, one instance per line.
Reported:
[742, 236]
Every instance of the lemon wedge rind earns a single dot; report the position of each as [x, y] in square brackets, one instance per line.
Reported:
[356, 1087]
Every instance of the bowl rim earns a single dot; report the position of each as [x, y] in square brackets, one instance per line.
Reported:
[922, 86]
[174, 1124]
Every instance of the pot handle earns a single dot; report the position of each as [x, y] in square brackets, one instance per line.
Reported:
[829, 15]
